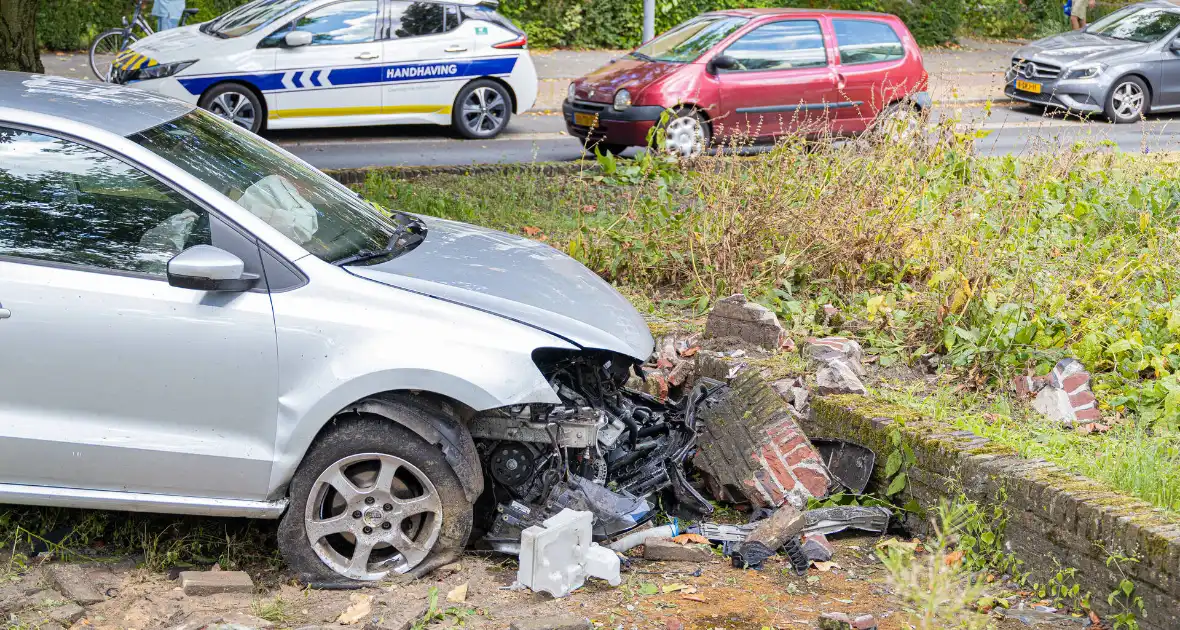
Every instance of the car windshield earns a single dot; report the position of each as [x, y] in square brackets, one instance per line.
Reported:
[690, 40]
[250, 17]
[1145, 25]
[304, 204]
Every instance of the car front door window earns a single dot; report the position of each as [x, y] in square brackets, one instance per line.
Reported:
[69, 204]
[352, 22]
[780, 46]
[865, 41]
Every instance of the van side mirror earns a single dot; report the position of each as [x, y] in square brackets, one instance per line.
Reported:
[207, 268]
[721, 62]
[295, 39]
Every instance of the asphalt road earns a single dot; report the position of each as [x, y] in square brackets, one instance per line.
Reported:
[541, 138]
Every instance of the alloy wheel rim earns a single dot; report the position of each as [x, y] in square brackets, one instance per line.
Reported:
[235, 108]
[1127, 100]
[484, 110]
[685, 137]
[372, 514]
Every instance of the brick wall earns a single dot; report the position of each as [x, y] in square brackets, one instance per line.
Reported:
[1057, 519]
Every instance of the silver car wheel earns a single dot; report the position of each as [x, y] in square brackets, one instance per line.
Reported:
[685, 136]
[1128, 100]
[484, 110]
[234, 107]
[372, 514]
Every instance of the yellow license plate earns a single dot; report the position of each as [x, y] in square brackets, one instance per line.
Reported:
[586, 120]
[1029, 86]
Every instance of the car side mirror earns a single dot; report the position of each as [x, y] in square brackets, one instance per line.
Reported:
[295, 39]
[207, 268]
[1175, 45]
[721, 62]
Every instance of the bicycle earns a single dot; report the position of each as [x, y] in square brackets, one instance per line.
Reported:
[108, 44]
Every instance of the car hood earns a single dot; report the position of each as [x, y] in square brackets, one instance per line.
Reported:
[520, 279]
[176, 44]
[1069, 48]
[600, 86]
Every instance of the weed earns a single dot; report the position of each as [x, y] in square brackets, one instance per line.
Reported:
[456, 615]
[275, 610]
[1125, 599]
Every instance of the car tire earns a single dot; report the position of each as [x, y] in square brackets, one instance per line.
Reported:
[363, 450]
[482, 110]
[686, 133]
[1127, 100]
[236, 103]
[606, 147]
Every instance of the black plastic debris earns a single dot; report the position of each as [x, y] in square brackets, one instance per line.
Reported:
[850, 463]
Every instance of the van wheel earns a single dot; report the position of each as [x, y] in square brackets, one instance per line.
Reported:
[235, 103]
[481, 110]
[372, 499]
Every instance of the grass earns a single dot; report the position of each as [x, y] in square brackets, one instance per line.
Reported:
[999, 265]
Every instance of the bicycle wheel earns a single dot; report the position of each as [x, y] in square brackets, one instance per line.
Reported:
[105, 47]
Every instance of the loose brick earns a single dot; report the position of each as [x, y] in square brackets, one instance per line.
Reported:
[200, 583]
[73, 583]
[667, 550]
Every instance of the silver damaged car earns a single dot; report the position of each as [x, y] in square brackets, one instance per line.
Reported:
[1123, 66]
[194, 321]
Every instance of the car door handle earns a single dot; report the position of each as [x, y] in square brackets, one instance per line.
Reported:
[5, 313]
[455, 49]
[840, 81]
[366, 56]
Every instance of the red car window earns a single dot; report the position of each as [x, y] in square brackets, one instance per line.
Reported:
[866, 41]
[784, 45]
[690, 40]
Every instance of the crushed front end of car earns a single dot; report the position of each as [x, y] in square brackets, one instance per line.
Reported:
[606, 449]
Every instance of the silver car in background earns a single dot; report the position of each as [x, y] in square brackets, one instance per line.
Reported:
[195, 322]
[1124, 65]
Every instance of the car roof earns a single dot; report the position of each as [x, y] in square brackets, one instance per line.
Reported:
[114, 108]
[753, 13]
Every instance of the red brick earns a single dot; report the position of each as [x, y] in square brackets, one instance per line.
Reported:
[1082, 398]
[776, 495]
[776, 466]
[814, 482]
[1074, 381]
[801, 453]
[1088, 415]
[787, 446]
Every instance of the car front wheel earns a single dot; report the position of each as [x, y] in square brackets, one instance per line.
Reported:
[686, 134]
[481, 110]
[371, 499]
[1127, 100]
[235, 103]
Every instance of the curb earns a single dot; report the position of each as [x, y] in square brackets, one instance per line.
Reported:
[356, 176]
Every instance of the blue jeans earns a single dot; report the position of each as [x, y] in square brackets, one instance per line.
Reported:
[165, 23]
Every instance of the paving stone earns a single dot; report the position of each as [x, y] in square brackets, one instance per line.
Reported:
[200, 583]
[66, 614]
[841, 621]
[665, 549]
[553, 622]
[73, 583]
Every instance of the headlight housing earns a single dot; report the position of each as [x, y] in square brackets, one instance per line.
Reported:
[622, 100]
[159, 71]
[1085, 72]
[572, 90]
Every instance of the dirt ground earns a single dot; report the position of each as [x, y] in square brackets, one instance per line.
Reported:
[720, 597]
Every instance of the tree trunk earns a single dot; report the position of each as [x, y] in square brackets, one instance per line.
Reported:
[18, 36]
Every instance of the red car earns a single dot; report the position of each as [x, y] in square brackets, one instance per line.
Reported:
[752, 74]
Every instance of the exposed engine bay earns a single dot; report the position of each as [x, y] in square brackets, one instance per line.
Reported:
[606, 449]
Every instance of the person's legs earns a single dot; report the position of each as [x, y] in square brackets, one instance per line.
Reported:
[165, 23]
[1077, 14]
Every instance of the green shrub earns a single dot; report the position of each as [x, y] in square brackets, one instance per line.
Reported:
[72, 24]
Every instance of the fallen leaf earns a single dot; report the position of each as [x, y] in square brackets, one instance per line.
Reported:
[1092, 427]
[672, 588]
[531, 231]
[1094, 618]
[685, 539]
[458, 594]
[788, 345]
[898, 544]
[647, 588]
[954, 558]
[826, 566]
[362, 606]
[695, 598]
[688, 352]
[589, 208]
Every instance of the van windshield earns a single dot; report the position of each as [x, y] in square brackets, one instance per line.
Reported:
[250, 17]
[690, 40]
